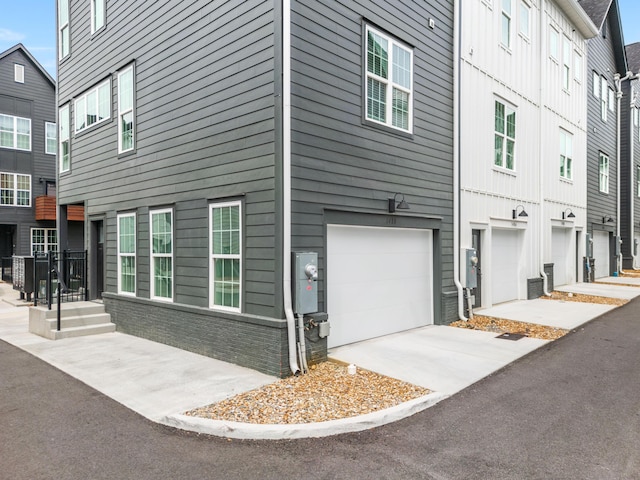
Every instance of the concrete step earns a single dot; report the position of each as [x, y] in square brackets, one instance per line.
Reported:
[73, 309]
[79, 321]
[82, 331]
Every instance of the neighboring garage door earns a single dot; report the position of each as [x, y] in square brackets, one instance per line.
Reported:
[504, 265]
[563, 262]
[601, 253]
[379, 281]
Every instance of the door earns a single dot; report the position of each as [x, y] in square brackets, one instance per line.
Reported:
[476, 243]
[601, 253]
[97, 259]
[504, 265]
[562, 270]
[379, 281]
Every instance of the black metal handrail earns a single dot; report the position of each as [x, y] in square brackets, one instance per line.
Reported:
[61, 273]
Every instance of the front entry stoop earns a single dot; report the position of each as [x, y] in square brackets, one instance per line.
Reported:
[77, 319]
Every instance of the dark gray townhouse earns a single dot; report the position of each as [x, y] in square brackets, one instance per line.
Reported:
[630, 160]
[246, 166]
[27, 155]
[606, 67]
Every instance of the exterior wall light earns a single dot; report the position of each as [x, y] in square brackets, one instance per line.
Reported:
[521, 214]
[402, 205]
[568, 213]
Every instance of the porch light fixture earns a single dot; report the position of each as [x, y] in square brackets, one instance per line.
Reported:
[566, 215]
[607, 219]
[521, 214]
[402, 205]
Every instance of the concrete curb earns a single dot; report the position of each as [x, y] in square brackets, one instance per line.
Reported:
[250, 431]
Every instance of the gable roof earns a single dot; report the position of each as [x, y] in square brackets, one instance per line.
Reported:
[633, 57]
[32, 59]
[601, 10]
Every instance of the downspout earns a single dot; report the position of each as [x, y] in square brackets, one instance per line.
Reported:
[456, 158]
[632, 192]
[543, 274]
[286, 184]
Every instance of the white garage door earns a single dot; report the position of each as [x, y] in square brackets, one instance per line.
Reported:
[504, 265]
[563, 263]
[379, 281]
[601, 253]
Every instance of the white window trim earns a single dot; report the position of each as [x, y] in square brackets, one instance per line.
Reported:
[153, 256]
[15, 190]
[612, 100]
[61, 28]
[389, 82]
[578, 66]
[213, 257]
[134, 254]
[102, 6]
[18, 73]
[508, 109]
[131, 110]
[553, 53]
[15, 133]
[596, 84]
[525, 28]
[566, 63]
[47, 244]
[82, 99]
[566, 155]
[604, 98]
[62, 138]
[48, 128]
[603, 176]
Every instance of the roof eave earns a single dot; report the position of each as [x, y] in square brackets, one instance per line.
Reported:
[578, 17]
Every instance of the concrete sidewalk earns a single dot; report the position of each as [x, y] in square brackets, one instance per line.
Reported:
[161, 382]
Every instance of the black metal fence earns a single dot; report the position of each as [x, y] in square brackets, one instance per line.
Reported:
[60, 276]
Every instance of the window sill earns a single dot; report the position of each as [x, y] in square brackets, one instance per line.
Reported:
[506, 48]
[387, 128]
[505, 171]
[568, 181]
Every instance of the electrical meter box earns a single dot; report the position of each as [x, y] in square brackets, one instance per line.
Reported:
[305, 282]
[470, 267]
[589, 245]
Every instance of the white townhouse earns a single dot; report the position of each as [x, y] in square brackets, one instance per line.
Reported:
[523, 139]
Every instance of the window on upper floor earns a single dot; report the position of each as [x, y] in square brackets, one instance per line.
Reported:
[389, 81]
[226, 256]
[51, 140]
[604, 98]
[15, 190]
[127, 253]
[596, 84]
[98, 15]
[577, 67]
[553, 43]
[504, 136]
[566, 63]
[93, 106]
[525, 19]
[635, 117]
[638, 181]
[64, 138]
[63, 28]
[603, 169]
[15, 132]
[612, 100]
[566, 155]
[161, 254]
[18, 73]
[44, 240]
[126, 110]
[506, 23]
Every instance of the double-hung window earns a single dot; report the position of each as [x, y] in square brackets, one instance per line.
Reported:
[577, 67]
[161, 254]
[15, 132]
[226, 256]
[63, 28]
[525, 13]
[43, 240]
[127, 253]
[553, 43]
[389, 86]
[506, 23]
[596, 84]
[51, 140]
[566, 155]
[93, 107]
[126, 114]
[604, 97]
[603, 169]
[566, 66]
[97, 15]
[15, 190]
[505, 135]
[64, 139]
[612, 100]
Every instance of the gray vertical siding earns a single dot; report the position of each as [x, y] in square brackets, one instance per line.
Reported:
[341, 163]
[34, 99]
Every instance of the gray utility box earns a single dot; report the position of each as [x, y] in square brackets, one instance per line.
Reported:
[470, 268]
[305, 282]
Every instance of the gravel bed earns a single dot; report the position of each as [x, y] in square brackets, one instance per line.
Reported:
[327, 392]
[580, 297]
[503, 325]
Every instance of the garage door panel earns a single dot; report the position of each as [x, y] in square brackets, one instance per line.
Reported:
[379, 281]
[561, 255]
[601, 253]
